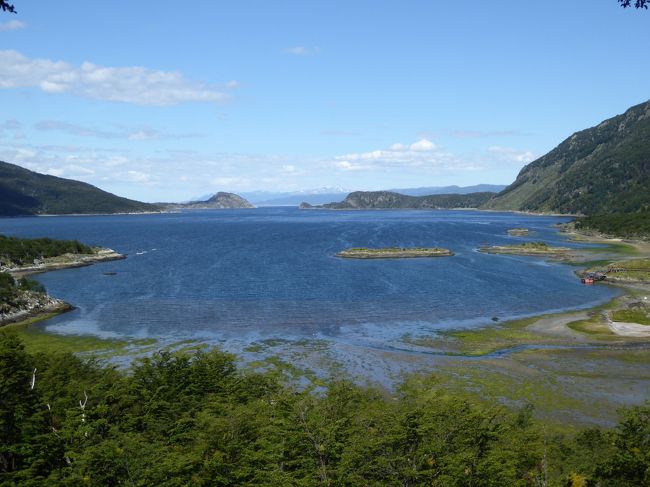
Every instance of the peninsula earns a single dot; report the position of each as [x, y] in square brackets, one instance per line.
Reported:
[22, 298]
[393, 253]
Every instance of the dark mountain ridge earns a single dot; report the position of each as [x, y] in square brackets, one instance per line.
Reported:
[390, 200]
[25, 192]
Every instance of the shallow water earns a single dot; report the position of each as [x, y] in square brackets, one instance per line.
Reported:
[240, 276]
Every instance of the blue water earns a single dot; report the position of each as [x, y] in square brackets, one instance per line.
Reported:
[246, 275]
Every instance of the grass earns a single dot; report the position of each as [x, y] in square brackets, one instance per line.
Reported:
[488, 339]
[37, 340]
[631, 269]
[616, 248]
[590, 264]
[482, 341]
[634, 269]
[513, 388]
[640, 316]
[595, 327]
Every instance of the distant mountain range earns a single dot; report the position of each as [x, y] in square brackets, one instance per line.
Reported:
[603, 169]
[25, 192]
[390, 200]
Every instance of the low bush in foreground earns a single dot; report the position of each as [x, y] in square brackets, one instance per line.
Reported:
[198, 420]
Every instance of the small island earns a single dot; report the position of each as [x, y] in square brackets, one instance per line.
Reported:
[528, 248]
[518, 232]
[394, 253]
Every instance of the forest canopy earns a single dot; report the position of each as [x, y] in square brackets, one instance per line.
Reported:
[196, 419]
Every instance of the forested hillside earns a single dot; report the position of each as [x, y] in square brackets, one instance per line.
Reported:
[392, 200]
[24, 192]
[604, 169]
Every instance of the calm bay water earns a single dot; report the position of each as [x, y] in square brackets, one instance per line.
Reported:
[246, 275]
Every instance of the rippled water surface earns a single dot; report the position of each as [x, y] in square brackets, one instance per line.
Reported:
[246, 275]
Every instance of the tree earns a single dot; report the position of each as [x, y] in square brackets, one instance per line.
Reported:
[7, 7]
[637, 3]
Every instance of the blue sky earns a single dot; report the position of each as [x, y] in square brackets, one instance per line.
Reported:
[161, 100]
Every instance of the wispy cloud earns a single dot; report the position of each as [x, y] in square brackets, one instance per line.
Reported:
[135, 84]
[128, 172]
[12, 25]
[143, 133]
[11, 128]
[477, 134]
[512, 155]
[301, 50]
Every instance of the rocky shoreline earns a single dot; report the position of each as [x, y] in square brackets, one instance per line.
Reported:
[65, 261]
[32, 304]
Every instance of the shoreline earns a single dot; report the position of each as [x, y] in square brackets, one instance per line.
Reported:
[44, 306]
[31, 316]
[66, 261]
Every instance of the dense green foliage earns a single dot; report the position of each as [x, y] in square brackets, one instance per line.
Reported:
[391, 200]
[604, 169]
[619, 224]
[23, 251]
[24, 192]
[198, 420]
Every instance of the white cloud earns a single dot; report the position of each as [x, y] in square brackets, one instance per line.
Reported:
[512, 155]
[422, 153]
[423, 145]
[135, 84]
[123, 133]
[12, 25]
[290, 170]
[69, 171]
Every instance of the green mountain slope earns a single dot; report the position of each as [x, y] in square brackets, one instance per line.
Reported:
[603, 169]
[24, 192]
[391, 200]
